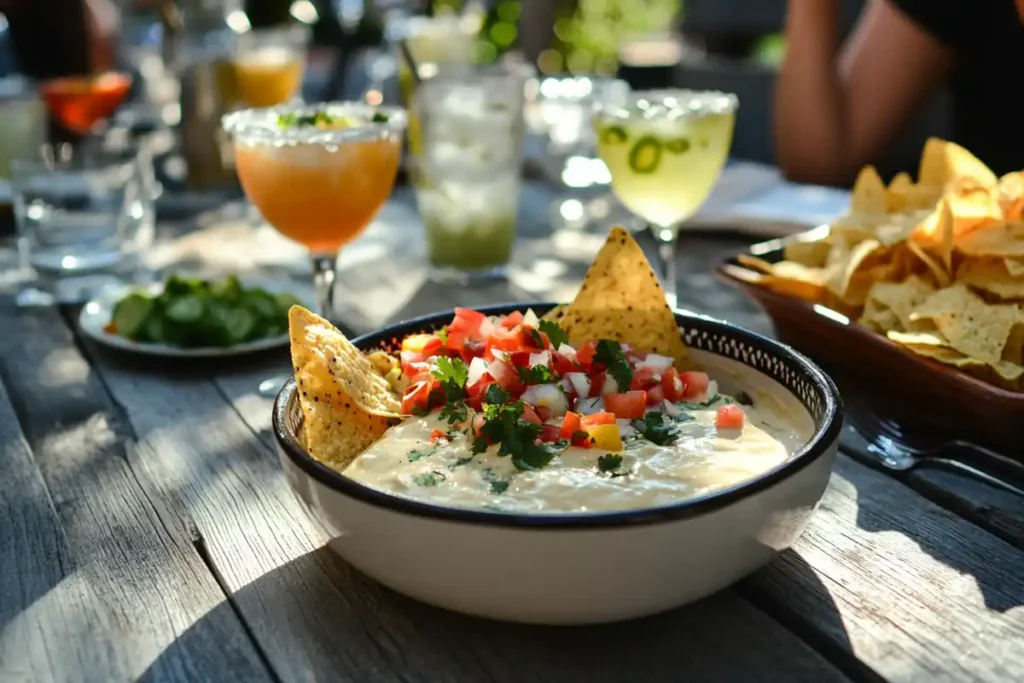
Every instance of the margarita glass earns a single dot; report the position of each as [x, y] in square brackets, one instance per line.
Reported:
[665, 150]
[434, 42]
[318, 174]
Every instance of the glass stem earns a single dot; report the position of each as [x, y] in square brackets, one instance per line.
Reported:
[324, 270]
[667, 237]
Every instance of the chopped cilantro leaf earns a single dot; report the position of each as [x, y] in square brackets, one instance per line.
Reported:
[296, 120]
[452, 373]
[556, 335]
[419, 454]
[495, 395]
[443, 334]
[580, 434]
[698, 405]
[538, 374]
[379, 117]
[611, 354]
[479, 445]
[609, 462]
[462, 461]
[428, 479]
[535, 336]
[499, 486]
[656, 429]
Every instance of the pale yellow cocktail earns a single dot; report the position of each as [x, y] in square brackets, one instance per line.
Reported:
[665, 151]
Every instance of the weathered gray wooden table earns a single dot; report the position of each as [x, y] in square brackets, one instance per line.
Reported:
[146, 530]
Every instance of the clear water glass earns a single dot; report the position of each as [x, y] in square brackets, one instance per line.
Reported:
[466, 157]
[83, 222]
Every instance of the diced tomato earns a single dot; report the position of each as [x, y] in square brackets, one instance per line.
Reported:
[543, 412]
[643, 378]
[655, 395]
[549, 433]
[437, 397]
[473, 348]
[416, 398]
[520, 358]
[729, 416]
[594, 419]
[531, 416]
[475, 392]
[423, 344]
[695, 383]
[530, 338]
[570, 425]
[562, 364]
[504, 340]
[510, 382]
[585, 355]
[597, 380]
[412, 369]
[457, 339]
[467, 320]
[437, 434]
[673, 385]
[627, 405]
[635, 355]
[512, 319]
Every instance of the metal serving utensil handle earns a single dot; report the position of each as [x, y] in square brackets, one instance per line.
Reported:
[980, 463]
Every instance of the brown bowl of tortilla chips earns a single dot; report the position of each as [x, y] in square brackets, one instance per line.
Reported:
[918, 292]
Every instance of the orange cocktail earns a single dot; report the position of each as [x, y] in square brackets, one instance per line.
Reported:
[267, 65]
[320, 197]
[318, 173]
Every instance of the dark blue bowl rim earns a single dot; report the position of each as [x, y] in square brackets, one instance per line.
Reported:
[825, 436]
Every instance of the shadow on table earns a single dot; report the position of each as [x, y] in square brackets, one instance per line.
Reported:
[359, 631]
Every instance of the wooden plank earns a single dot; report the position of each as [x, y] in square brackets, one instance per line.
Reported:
[911, 589]
[162, 614]
[315, 617]
[47, 612]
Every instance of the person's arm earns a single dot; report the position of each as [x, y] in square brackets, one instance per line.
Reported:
[836, 112]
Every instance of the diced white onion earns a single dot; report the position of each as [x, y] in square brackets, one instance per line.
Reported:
[712, 390]
[542, 358]
[625, 428]
[589, 406]
[567, 351]
[610, 385]
[670, 407]
[547, 395]
[656, 362]
[531, 319]
[580, 382]
[477, 368]
[497, 369]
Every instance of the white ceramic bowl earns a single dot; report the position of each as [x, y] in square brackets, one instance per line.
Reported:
[578, 568]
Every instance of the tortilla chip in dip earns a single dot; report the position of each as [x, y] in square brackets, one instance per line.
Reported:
[621, 299]
[346, 403]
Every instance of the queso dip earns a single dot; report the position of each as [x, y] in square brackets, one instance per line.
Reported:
[556, 431]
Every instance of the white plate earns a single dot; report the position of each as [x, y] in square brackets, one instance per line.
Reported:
[97, 314]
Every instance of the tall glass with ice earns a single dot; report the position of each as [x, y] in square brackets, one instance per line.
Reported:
[467, 165]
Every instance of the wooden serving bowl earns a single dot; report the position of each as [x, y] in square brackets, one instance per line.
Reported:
[922, 395]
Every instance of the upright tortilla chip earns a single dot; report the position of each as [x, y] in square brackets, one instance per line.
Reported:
[869, 196]
[346, 403]
[1005, 240]
[555, 314]
[943, 161]
[621, 299]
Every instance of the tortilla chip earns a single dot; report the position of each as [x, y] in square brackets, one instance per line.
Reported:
[943, 162]
[973, 327]
[878, 318]
[755, 263]
[1005, 240]
[1013, 351]
[1014, 267]
[1011, 196]
[932, 339]
[555, 314]
[991, 275]
[868, 197]
[900, 299]
[621, 299]
[810, 254]
[346, 404]
[855, 273]
[935, 234]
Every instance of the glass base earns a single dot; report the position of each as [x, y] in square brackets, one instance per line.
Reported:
[446, 274]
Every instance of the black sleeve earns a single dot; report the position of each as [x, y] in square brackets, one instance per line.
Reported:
[960, 24]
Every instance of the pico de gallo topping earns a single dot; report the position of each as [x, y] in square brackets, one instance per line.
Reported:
[517, 382]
